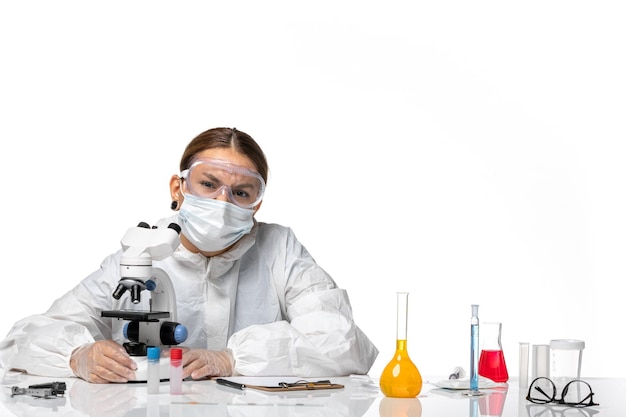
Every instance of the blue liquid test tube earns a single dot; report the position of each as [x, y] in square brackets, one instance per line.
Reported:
[474, 350]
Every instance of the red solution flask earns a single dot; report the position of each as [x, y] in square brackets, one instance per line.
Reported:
[491, 363]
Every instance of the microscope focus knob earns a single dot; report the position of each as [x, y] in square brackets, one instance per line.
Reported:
[173, 333]
[169, 333]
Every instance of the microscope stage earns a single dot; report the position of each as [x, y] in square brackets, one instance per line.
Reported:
[137, 315]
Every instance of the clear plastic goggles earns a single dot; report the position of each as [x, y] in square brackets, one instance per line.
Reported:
[210, 178]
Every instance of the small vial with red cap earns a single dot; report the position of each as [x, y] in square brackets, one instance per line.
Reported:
[176, 371]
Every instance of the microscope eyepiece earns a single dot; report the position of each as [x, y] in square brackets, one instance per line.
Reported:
[174, 227]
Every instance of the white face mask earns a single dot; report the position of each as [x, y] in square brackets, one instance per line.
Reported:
[213, 225]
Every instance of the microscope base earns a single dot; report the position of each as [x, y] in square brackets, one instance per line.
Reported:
[141, 374]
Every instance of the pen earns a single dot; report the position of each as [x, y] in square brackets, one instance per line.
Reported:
[231, 384]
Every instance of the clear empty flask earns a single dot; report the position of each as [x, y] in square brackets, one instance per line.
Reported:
[491, 364]
[401, 378]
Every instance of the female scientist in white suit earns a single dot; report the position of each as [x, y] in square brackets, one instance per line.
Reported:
[253, 299]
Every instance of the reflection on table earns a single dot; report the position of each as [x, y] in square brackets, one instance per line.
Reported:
[361, 397]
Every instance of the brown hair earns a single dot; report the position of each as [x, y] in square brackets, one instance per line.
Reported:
[224, 137]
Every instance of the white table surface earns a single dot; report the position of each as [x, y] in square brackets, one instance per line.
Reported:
[361, 397]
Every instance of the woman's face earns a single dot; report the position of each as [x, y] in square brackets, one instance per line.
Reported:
[178, 187]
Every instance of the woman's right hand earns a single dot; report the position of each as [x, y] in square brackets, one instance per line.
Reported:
[102, 362]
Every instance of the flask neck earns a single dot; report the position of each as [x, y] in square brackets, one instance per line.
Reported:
[401, 345]
[402, 313]
[490, 335]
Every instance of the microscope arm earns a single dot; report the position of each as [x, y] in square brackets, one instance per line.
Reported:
[163, 294]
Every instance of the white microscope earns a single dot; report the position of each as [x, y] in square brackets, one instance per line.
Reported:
[157, 326]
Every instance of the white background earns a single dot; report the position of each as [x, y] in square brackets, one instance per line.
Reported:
[465, 152]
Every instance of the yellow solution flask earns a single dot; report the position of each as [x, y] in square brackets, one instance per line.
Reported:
[401, 378]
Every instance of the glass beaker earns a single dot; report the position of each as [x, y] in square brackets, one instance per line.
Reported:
[492, 364]
[401, 378]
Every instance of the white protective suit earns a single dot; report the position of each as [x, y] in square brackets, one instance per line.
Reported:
[265, 299]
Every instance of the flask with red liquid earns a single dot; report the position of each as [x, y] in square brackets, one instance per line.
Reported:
[491, 363]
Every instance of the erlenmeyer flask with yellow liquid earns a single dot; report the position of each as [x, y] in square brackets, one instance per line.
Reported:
[401, 378]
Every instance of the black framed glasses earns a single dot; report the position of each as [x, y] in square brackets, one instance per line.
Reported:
[575, 393]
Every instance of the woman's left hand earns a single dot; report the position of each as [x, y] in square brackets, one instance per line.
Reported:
[202, 363]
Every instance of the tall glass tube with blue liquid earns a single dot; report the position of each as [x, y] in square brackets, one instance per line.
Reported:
[474, 350]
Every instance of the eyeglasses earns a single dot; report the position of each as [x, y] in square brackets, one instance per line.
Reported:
[210, 178]
[575, 393]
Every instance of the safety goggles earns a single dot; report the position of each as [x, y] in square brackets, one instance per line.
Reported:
[210, 178]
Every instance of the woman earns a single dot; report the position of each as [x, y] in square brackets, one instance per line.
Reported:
[253, 299]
